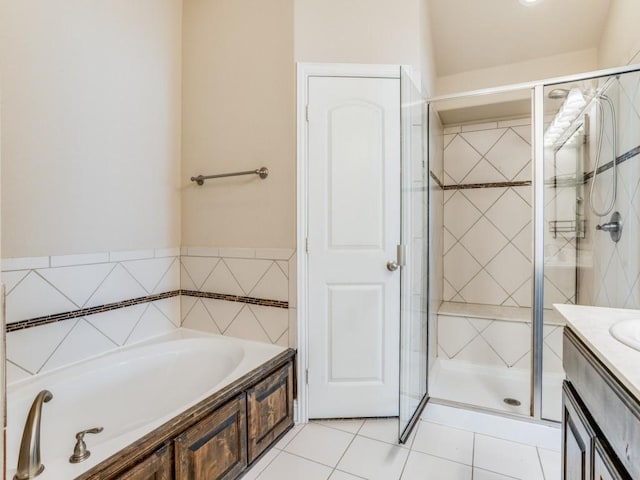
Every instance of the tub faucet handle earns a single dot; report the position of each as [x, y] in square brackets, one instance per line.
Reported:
[80, 452]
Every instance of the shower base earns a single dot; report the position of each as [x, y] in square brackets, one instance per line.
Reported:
[488, 387]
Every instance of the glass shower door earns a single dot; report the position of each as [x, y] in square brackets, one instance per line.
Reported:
[414, 238]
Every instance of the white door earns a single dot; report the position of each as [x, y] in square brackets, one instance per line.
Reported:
[354, 229]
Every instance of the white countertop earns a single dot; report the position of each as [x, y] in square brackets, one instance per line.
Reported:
[591, 325]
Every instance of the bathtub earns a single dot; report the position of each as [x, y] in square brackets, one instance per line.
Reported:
[129, 392]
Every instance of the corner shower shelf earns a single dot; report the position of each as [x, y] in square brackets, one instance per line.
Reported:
[575, 227]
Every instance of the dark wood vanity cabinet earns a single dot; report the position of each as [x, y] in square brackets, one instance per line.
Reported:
[215, 448]
[269, 410]
[219, 438]
[157, 466]
[577, 438]
[601, 419]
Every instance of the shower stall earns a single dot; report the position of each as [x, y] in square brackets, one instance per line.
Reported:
[533, 199]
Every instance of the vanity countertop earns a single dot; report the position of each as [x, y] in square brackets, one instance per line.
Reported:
[591, 325]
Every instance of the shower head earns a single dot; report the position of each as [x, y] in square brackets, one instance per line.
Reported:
[558, 93]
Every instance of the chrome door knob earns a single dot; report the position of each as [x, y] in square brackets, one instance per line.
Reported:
[392, 266]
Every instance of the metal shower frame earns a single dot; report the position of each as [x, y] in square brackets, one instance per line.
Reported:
[537, 103]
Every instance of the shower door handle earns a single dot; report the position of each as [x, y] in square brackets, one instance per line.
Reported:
[393, 265]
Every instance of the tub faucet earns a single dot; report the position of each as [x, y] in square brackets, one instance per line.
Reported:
[29, 464]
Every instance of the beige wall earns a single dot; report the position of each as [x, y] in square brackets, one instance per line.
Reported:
[238, 114]
[539, 69]
[358, 31]
[620, 40]
[91, 134]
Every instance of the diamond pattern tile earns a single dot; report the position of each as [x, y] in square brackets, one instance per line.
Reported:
[460, 267]
[273, 285]
[510, 213]
[222, 280]
[117, 324]
[484, 289]
[460, 214]
[20, 304]
[510, 154]
[483, 198]
[83, 341]
[454, 333]
[484, 172]
[198, 318]
[459, 159]
[246, 326]
[509, 268]
[483, 241]
[247, 271]
[198, 269]
[149, 272]
[510, 340]
[79, 282]
[484, 140]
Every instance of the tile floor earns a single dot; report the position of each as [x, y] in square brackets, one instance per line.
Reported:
[366, 449]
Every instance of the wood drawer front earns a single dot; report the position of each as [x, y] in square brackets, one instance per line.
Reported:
[613, 409]
[216, 447]
[269, 410]
[157, 466]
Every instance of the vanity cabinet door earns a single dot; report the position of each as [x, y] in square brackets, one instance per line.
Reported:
[216, 447]
[577, 439]
[157, 466]
[269, 409]
[605, 467]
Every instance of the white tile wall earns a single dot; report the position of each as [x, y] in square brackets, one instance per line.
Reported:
[487, 231]
[609, 273]
[496, 343]
[267, 274]
[50, 285]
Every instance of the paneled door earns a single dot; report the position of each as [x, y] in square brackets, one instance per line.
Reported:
[353, 232]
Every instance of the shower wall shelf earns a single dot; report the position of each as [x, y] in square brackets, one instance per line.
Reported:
[567, 226]
[262, 172]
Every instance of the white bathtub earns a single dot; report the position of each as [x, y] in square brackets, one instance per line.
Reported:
[129, 393]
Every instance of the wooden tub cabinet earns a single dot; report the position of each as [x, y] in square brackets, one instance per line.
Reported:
[217, 439]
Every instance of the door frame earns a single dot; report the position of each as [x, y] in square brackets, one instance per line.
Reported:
[304, 72]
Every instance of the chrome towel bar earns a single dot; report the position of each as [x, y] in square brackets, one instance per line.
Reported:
[263, 172]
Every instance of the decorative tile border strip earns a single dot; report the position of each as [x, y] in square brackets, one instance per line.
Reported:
[466, 186]
[621, 159]
[236, 298]
[83, 312]
[436, 179]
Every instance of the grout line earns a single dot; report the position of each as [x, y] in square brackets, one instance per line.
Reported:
[57, 347]
[99, 285]
[135, 325]
[540, 462]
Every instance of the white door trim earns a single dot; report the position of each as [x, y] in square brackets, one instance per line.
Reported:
[304, 71]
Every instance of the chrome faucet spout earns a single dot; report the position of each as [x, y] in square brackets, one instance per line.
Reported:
[29, 464]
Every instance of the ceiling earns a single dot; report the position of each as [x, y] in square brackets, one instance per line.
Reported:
[476, 34]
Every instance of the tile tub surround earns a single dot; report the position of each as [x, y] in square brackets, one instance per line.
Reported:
[591, 325]
[488, 218]
[86, 305]
[90, 304]
[244, 272]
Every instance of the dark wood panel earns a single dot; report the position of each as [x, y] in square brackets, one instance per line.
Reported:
[269, 410]
[158, 466]
[577, 438]
[614, 410]
[605, 466]
[139, 450]
[216, 447]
